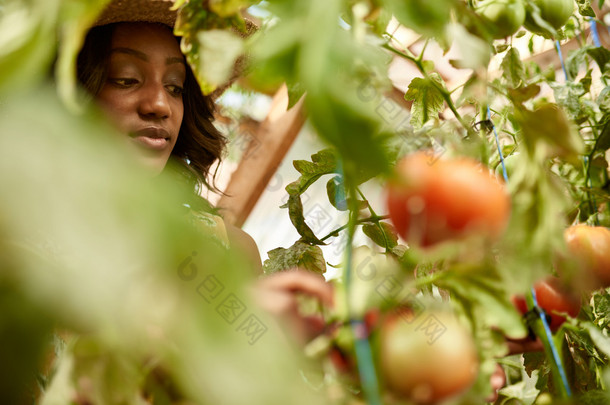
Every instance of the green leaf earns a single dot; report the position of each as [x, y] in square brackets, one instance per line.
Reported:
[81, 14]
[568, 96]
[295, 210]
[587, 80]
[524, 391]
[371, 273]
[301, 254]
[594, 397]
[549, 124]
[382, 234]
[336, 193]
[486, 292]
[522, 94]
[425, 17]
[603, 100]
[513, 69]
[601, 308]
[217, 52]
[474, 52]
[601, 56]
[28, 42]
[226, 8]
[533, 361]
[601, 341]
[585, 9]
[322, 162]
[427, 98]
[575, 60]
[295, 93]
[603, 141]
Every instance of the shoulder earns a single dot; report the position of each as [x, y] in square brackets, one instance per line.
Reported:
[239, 239]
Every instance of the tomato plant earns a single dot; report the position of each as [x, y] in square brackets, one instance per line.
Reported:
[423, 367]
[504, 17]
[431, 202]
[469, 97]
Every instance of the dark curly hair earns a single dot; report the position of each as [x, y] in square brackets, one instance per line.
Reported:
[199, 143]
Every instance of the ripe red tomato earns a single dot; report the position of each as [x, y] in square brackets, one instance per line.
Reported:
[553, 300]
[429, 359]
[503, 17]
[434, 201]
[590, 247]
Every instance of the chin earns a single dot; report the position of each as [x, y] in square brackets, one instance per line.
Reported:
[153, 164]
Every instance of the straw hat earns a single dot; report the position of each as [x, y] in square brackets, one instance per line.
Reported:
[156, 11]
[159, 11]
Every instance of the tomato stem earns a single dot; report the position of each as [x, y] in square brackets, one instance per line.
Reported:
[373, 219]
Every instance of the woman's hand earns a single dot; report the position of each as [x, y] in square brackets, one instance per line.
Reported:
[517, 346]
[278, 295]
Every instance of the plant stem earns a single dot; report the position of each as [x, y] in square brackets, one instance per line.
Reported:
[364, 357]
[371, 219]
[587, 162]
[374, 215]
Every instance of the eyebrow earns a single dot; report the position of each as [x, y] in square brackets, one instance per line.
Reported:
[141, 55]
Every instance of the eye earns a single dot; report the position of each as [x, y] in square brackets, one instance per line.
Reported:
[122, 81]
[175, 90]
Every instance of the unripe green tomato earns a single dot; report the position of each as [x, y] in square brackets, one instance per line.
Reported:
[503, 17]
[512, 163]
[555, 12]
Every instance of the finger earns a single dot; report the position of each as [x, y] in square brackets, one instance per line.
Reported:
[524, 345]
[498, 379]
[300, 281]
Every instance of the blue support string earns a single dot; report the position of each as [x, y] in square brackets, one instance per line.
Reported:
[504, 173]
[547, 331]
[594, 33]
[364, 356]
[563, 65]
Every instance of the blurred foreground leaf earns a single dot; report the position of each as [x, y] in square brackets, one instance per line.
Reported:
[99, 243]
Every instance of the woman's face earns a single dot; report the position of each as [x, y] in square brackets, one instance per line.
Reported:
[143, 92]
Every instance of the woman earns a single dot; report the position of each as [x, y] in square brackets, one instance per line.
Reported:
[138, 76]
[132, 65]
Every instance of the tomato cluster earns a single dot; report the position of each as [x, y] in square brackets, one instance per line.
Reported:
[504, 17]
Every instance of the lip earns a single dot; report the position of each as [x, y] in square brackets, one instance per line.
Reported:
[154, 138]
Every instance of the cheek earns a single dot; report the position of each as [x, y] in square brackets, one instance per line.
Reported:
[114, 106]
[178, 113]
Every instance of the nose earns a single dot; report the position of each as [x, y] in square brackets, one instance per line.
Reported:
[154, 102]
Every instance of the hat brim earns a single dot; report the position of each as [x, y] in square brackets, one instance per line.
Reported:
[153, 11]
